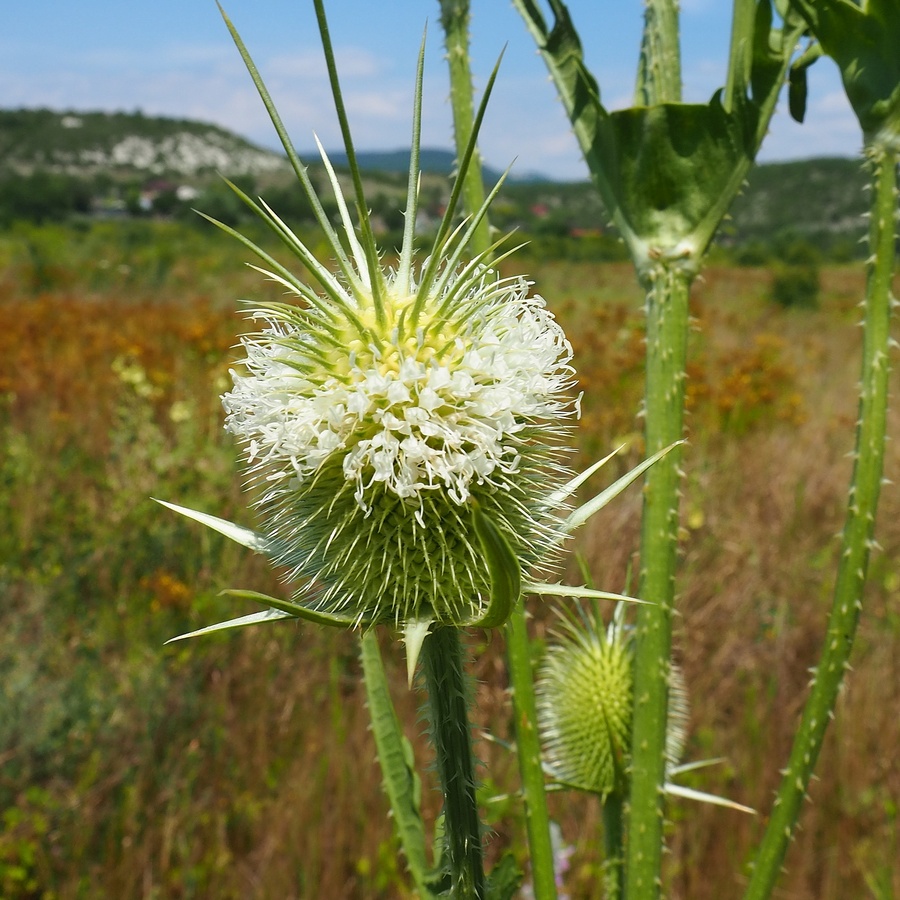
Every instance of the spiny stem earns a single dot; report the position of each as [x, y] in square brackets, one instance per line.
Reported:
[858, 532]
[528, 747]
[659, 67]
[400, 779]
[667, 318]
[455, 22]
[443, 665]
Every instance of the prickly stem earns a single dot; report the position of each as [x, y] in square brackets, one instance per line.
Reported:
[400, 779]
[443, 666]
[857, 536]
[613, 846]
[455, 22]
[667, 320]
[528, 748]
[659, 66]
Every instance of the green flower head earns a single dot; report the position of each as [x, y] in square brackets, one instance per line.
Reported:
[585, 703]
[379, 407]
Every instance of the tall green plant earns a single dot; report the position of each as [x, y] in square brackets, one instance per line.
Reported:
[863, 41]
[667, 172]
[455, 16]
[404, 431]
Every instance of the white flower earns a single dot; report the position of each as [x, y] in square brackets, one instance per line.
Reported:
[368, 439]
[379, 409]
[411, 415]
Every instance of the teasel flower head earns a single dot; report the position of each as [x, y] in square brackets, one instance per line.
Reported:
[585, 698]
[403, 427]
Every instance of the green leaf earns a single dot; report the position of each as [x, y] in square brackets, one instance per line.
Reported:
[505, 879]
[673, 168]
[678, 790]
[298, 610]
[569, 488]
[267, 615]
[276, 609]
[395, 755]
[797, 92]
[414, 633]
[246, 537]
[864, 43]
[798, 80]
[503, 566]
[667, 172]
[585, 511]
[567, 590]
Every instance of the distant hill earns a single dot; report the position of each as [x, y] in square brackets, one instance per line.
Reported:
[82, 143]
[431, 160]
[821, 200]
[815, 196]
[74, 143]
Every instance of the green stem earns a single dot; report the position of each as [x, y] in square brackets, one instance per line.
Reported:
[859, 525]
[395, 755]
[740, 56]
[667, 318]
[659, 67]
[455, 22]
[613, 845]
[528, 747]
[443, 665]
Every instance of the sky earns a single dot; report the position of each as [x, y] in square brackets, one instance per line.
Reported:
[176, 58]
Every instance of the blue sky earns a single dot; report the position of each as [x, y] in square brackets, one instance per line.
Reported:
[175, 57]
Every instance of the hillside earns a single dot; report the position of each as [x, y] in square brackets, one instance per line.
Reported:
[84, 143]
[815, 196]
[819, 200]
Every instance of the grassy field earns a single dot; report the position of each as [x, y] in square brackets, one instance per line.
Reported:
[240, 766]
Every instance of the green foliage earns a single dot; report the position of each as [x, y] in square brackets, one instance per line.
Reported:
[42, 196]
[23, 838]
[863, 40]
[796, 285]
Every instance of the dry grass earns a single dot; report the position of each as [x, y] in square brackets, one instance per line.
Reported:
[241, 766]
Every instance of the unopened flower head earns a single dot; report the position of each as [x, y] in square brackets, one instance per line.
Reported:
[385, 403]
[585, 703]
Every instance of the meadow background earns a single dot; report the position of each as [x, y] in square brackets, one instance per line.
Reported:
[240, 766]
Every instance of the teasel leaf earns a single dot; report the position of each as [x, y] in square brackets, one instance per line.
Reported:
[246, 537]
[505, 574]
[585, 511]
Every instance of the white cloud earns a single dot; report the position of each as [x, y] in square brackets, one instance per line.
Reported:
[525, 120]
[352, 62]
